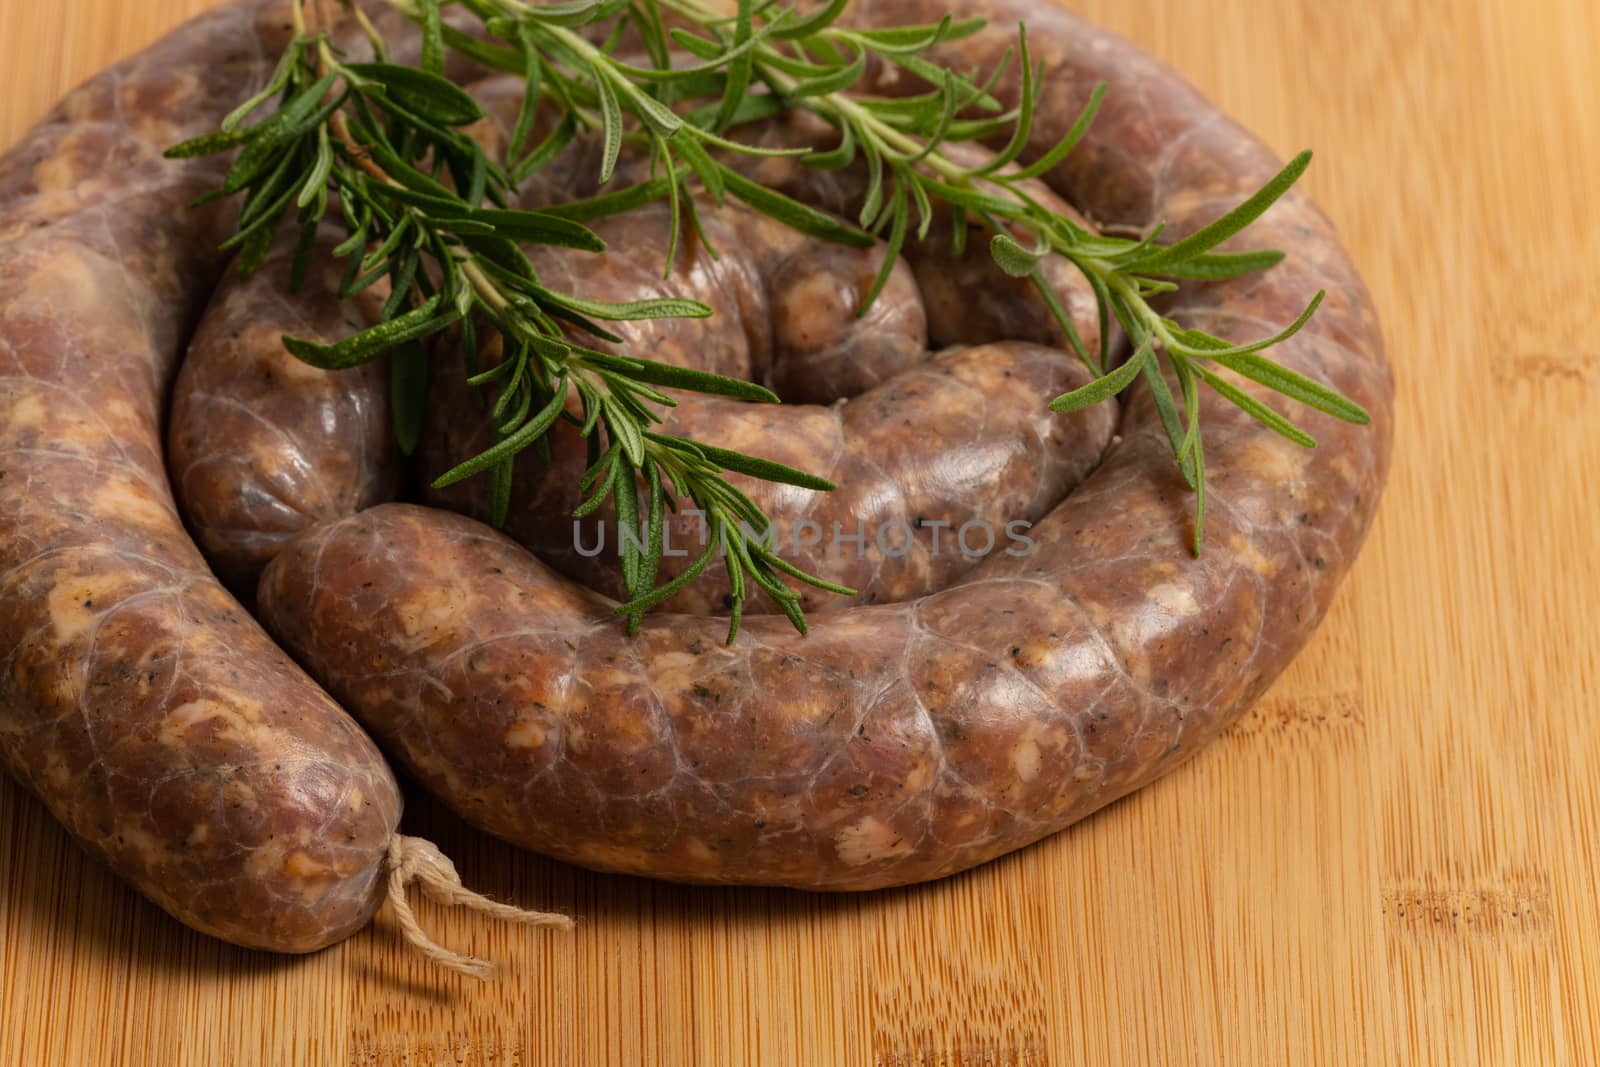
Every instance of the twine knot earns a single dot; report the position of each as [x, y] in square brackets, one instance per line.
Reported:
[415, 861]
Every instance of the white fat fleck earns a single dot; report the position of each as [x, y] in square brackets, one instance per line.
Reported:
[1274, 460]
[60, 284]
[77, 601]
[852, 627]
[117, 409]
[668, 662]
[239, 793]
[266, 862]
[700, 852]
[78, 288]
[919, 776]
[134, 839]
[27, 413]
[1174, 599]
[526, 733]
[1250, 555]
[57, 173]
[239, 721]
[1025, 758]
[429, 615]
[303, 866]
[1165, 611]
[868, 841]
[129, 501]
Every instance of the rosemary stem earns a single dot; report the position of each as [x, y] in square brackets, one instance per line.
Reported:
[907, 146]
[485, 287]
[837, 106]
[1118, 283]
[379, 49]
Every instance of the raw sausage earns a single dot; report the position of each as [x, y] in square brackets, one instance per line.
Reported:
[137, 698]
[260, 445]
[992, 455]
[787, 314]
[906, 741]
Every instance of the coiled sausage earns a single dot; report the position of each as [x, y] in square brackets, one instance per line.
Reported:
[905, 741]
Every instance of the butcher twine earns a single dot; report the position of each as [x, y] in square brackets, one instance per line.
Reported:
[411, 859]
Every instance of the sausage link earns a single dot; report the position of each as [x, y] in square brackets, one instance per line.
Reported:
[896, 742]
[786, 312]
[137, 699]
[260, 445]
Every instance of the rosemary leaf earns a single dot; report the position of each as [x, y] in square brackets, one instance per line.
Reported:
[408, 389]
[1109, 385]
[1208, 237]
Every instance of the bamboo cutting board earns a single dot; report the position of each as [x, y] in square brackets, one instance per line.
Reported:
[1393, 859]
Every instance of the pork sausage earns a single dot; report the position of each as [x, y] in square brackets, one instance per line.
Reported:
[784, 303]
[907, 741]
[138, 700]
[260, 445]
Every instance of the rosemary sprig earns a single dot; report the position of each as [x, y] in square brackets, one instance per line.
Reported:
[815, 64]
[427, 209]
[901, 141]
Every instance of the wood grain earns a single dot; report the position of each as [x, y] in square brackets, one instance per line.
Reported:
[1393, 859]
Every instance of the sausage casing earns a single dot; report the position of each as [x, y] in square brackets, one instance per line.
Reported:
[138, 700]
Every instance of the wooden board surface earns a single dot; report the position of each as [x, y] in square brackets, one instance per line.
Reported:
[1394, 858]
